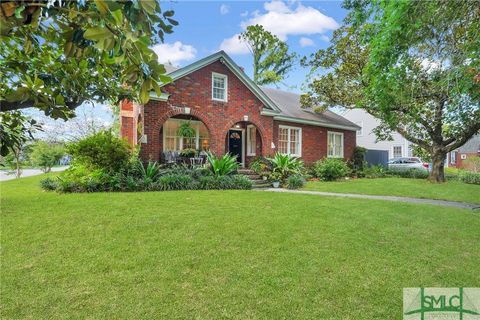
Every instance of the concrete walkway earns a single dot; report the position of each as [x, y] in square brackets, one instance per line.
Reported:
[444, 203]
[10, 175]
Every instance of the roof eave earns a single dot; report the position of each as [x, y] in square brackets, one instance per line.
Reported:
[312, 122]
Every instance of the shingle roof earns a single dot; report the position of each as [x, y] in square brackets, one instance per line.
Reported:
[282, 105]
[289, 104]
[471, 146]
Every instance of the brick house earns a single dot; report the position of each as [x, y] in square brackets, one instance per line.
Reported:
[230, 113]
[461, 158]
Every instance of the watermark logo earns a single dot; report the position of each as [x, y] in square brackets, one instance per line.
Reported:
[441, 303]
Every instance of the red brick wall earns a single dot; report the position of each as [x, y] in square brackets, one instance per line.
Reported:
[314, 141]
[194, 91]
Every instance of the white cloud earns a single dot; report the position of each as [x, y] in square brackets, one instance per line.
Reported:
[283, 20]
[276, 6]
[174, 52]
[244, 14]
[224, 9]
[306, 42]
[234, 45]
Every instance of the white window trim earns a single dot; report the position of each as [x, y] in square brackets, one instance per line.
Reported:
[248, 140]
[360, 124]
[393, 151]
[299, 154]
[195, 125]
[219, 75]
[343, 144]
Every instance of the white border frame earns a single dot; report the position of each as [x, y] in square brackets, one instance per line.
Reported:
[249, 154]
[197, 135]
[343, 144]
[224, 76]
[288, 146]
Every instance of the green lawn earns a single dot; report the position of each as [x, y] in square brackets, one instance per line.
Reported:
[224, 254]
[416, 188]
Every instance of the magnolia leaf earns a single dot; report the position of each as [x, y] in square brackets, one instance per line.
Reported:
[145, 91]
[101, 6]
[97, 33]
[118, 16]
[149, 6]
[59, 100]
[18, 12]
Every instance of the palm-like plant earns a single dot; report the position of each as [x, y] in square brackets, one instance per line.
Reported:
[150, 172]
[286, 165]
[223, 166]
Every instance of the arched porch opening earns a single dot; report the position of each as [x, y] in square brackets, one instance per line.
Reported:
[244, 140]
[175, 142]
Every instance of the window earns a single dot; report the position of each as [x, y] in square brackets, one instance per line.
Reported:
[453, 157]
[335, 144]
[290, 140]
[173, 142]
[251, 140]
[219, 87]
[397, 151]
[360, 131]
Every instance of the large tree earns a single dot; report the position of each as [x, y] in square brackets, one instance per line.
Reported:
[412, 64]
[271, 60]
[55, 55]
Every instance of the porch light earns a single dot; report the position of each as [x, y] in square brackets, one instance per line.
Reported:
[237, 126]
[186, 110]
[245, 118]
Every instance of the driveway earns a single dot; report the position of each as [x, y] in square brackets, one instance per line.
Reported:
[8, 174]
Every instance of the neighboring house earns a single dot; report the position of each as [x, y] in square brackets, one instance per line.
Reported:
[230, 113]
[459, 158]
[398, 147]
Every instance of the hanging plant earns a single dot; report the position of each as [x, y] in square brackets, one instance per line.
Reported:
[186, 130]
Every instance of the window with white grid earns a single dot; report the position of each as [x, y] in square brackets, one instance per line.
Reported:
[251, 140]
[335, 144]
[290, 140]
[173, 142]
[219, 87]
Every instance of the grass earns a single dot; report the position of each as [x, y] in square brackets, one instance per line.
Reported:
[416, 188]
[224, 254]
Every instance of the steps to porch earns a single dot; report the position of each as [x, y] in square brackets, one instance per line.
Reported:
[258, 182]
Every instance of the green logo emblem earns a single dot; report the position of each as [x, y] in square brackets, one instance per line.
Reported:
[441, 303]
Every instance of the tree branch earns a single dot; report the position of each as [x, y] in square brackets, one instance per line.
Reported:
[408, 136]
[9, 106]
[467, 134]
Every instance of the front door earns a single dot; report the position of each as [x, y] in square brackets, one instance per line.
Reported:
[235, 144]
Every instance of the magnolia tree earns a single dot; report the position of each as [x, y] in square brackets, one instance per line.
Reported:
[414, 65]
[55, 55]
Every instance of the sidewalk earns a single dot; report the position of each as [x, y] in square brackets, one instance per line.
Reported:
[444, 203]
[4, 174]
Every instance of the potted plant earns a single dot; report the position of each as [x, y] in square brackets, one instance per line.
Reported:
[185, 130]
[275, 177]
[264, 175]
[188, 153]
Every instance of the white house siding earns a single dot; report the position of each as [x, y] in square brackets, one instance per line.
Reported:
[367, 138]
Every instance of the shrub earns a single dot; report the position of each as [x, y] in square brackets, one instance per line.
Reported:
[295, 181]
[102, 150]
[223, 166]
[174, 182]
[470, 177]
[358, 159]
[376, 171]
[330, 169]
[260, 165]
[224, 182]
[48, 184]
[411, 173]
[189, 153]
[284, 165]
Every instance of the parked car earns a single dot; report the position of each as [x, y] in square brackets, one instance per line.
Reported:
[407, 164]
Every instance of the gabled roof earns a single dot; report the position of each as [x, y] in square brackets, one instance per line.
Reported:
[282, 105]
[223, 57]
[472, 145]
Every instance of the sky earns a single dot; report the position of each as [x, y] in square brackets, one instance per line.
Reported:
[206, 27]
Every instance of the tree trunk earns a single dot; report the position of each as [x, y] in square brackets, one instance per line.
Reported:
[438, 162]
